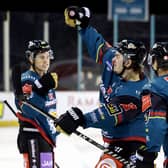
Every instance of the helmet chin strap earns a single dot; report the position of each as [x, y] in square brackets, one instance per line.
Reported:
[124, 68]
[155, 70]
[121, 73]
[33, 67]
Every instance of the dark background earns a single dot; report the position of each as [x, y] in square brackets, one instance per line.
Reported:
[98, 6]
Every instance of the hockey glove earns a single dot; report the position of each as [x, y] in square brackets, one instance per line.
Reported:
[84, 16]
[70, 121]
[45, 83]
[75, 16]
[70, 15]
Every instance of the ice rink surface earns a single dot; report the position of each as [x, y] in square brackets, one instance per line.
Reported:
[71, 151]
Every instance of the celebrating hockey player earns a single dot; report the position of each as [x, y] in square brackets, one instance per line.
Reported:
[120, 116]
[156, 93]
[37, 134]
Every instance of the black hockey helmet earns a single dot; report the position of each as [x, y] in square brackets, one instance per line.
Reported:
[159, 52]
[36, 46]
[134, 50]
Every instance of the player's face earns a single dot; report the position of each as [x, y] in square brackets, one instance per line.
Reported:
[118, 62]
[42, 62]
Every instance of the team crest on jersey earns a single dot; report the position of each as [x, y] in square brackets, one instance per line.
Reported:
[113, 109]
[146, 102]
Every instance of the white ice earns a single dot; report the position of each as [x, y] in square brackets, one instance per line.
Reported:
[71, 151]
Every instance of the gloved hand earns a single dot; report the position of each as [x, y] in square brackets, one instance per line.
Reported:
[55, 78]
[45, 83]
[70, 14]
[70, 121]
[75, 16]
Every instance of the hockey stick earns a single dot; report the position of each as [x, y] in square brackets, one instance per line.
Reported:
[86, 138]
[13, 111]
[10, 107]
[56, 120]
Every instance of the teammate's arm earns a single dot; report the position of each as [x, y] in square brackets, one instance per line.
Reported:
[80, 17]
[117, 111]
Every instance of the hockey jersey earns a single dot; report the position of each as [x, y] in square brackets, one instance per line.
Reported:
[156, 115]
[119, 116]
[47, 103]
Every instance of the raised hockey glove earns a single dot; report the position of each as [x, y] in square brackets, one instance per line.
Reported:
[45, 83]
[70, 15]
[75, 16]
[84, 16]
[70, 121]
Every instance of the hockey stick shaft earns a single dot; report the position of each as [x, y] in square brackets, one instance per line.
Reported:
[56, 120]
[9, 106]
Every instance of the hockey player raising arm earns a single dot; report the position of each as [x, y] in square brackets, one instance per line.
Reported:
[119, 116]
[156, 93]
[37, 134]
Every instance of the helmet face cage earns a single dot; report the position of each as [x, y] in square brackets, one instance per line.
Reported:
[132, 50]
[159, 52]
[38, 46]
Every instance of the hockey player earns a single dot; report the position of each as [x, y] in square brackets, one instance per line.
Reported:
[37, 134]
[157, 95]
[119, 116]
